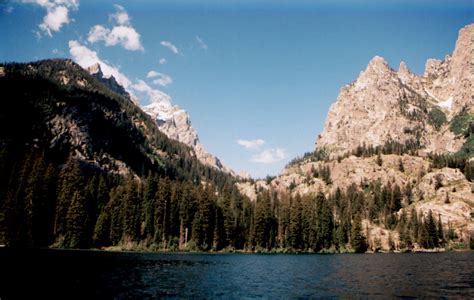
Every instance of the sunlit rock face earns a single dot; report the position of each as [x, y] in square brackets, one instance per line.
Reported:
[383, 104]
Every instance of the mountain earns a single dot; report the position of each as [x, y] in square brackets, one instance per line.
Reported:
[395, 155]
[384, 105]
[83, 166]
[171, 120]
[109, 81]
[176, 124]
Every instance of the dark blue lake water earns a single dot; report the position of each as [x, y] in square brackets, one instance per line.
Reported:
[106, 275]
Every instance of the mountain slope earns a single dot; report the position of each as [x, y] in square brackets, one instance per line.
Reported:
[82, 165]
[176, 124]
[171, 120]
[395, 155]
[383, 105]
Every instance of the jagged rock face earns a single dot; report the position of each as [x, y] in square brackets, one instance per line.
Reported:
[384, 104]
[111, 82]
[171, 119]
[176, 124]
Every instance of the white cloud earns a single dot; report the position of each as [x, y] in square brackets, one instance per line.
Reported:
[170, 46]
[153, 95]
[152, 74]
[269, 156]
[251, 144]
[86, 57]
[57, 14]
[122, 33]
[142, 86]
[163, 80]
[98, 33]
[126, 36]
[121, 16]
[201, 43]
[162, 61]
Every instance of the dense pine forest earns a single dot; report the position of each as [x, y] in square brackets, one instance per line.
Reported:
[76, 206]
[83, 167]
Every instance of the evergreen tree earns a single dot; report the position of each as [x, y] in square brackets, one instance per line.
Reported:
[396, 201]
[130, 210]
[379, 160]
[401, 167]
[295, 224]
[203, 225]
[263, 220]
[69, 183]
[75, 222]
[358, 240]
[431, 231]
[324, 223]
[440, 233]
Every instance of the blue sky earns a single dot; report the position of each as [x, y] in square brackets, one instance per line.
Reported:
[262, 72]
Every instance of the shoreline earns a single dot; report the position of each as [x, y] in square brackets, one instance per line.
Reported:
[271, 252]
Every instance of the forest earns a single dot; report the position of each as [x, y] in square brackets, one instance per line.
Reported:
[81, 207]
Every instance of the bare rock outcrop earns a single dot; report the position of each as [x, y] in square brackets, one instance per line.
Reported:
[176, 124]
[383, 104]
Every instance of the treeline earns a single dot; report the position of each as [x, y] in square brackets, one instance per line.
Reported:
[320, 223]
[409, 147]
[79, 206]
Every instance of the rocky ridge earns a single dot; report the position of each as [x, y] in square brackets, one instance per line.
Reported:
[384, 104]
[173, 121]
[176, 124]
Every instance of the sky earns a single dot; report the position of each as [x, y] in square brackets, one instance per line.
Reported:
[256, 77]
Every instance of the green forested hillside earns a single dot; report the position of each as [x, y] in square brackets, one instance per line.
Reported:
[82, 166]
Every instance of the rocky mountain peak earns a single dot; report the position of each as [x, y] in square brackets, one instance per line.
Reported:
[173, 121]
[95, 69]
[176, 124]
[404, 73]
[378, 65]
[383, 105]
[403, 69]
[377, 73]
[109, 81]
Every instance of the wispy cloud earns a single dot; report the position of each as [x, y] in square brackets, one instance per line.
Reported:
[121, 33]
[152, 74]
[162, 61]
[121, 16]
[201, 43]
[269, 156]
[163, 79]
[8, 9]
[86, 57]
[57, 14]
[251, 144]
[154, 95]
[170, 46]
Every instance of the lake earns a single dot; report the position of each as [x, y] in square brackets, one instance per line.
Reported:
[123, 275]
